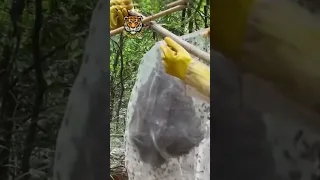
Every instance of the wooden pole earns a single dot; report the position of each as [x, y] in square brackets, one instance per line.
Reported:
[165, 33]
[176, 3]
[152, 17]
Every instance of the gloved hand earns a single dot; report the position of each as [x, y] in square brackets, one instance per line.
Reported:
[178, 62]
[118, 10]
[175, 59]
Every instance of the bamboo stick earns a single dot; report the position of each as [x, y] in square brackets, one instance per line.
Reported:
[152, 17]
[189, 47]
[179, 2]
[165, 33]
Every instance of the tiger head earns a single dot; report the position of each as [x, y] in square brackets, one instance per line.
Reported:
[133, 24]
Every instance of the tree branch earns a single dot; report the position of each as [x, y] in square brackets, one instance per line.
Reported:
[40, 89]
[121, 76]
[43, 58]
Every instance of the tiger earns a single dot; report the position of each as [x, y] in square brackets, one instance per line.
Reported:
[133, 24]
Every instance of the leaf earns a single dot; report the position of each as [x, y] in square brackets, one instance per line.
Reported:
[76, 54]
[37, 173]
[74, 44]
[3, 147]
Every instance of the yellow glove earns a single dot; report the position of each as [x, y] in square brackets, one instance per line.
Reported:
[198, 76]
[178, 62]
[118, 10]
[229, 19]
[275, 40]
[175, 59]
